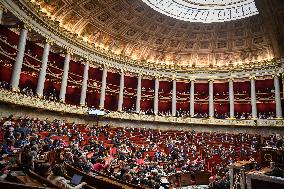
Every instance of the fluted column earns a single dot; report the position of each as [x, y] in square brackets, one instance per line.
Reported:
[192, 98]
[174, 98]
[253, 98]
[121, 89]
[231, 98]
[19, 60]
[138, 99]
[103, 89]
[277, 97]
[156, 98]
[42, 73]
[64, 77]
[211, 99]
[84, 85]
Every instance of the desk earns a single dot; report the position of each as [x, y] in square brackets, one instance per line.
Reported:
[258, 180]
[29, 181]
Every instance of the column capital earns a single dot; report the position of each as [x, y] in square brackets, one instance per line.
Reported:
[252, 77]
[211, 80]
[27, 27]
[276, 74]
[157, 76]
[87, 61]
[87, 57]
[174, 77]
[192, 79]
[231, 78]
[49, 41]
[105, 67]
[122, 71]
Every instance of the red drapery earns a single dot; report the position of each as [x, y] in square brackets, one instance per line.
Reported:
[201, 108]
[183, 87]
[28, 79]
[73, 95]
[242, 108]
[93, 99]
[222, 108]
[5, 73]
[12, 37]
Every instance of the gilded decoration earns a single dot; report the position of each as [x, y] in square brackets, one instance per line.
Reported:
[189, 120]
[39, 103]
[33, 102]
[132, 34]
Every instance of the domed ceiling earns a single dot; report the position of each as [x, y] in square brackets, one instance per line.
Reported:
[134, 29]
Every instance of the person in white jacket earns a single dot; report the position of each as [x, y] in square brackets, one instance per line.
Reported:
[57, 178]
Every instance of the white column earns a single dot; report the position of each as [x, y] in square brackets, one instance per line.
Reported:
[211, 99]
[103, 89]
[64, 77]
[42, 73]
[253, 98]
[138, 99]
[277, 97]
[84, 85]
[156, 99]
[19, 60]
[174, 98]
[191, 98]
[121, 89]
[231, 98]
[1, 13]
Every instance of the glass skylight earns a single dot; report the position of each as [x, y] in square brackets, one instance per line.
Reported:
[205, 11]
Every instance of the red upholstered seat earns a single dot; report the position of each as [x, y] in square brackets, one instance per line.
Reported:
[64, 138]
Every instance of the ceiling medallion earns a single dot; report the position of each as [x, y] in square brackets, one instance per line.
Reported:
[205, 11]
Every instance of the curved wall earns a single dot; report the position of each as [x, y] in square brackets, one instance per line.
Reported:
[266, 100]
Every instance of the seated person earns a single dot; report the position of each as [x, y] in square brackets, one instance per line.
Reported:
[43, 170]
[57, 178]
[99, 165]
[27, 159]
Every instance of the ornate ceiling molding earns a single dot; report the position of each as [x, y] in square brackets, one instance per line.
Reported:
[42, 24]
[138, 34]
[205, 11]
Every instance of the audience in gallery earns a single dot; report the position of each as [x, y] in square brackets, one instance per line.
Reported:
[28, 91]
[50, 94]
[4, 85]
[53, 95]
[141, 156]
